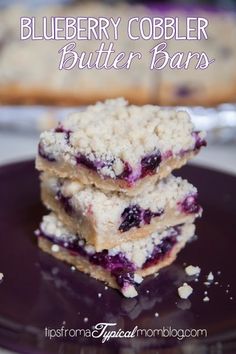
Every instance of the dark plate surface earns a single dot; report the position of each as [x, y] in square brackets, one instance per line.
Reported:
[38, 291]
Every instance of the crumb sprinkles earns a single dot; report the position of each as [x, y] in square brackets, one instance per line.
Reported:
[55, 248]
[192, 270]
[206, 299]
[185, 291]
[210, 277]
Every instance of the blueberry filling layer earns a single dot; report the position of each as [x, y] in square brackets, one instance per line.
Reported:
[118, 265]
[163, 248]
[94, 165]
[135, 216]
[148, 164]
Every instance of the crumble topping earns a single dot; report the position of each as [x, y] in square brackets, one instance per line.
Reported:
[119, 133]
[106, 208]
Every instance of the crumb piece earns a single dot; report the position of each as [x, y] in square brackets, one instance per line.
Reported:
[207, 283]
[185, 291]
[227, 290]
[156, 274]
[196, 280]
[216, 283]
[1, 276]
[85, 319]
[129, 291]
[206, 299]
[210, 277]
[219, 272]
[55, 248]
[231, 298]
[99, 295]
[106, 288]
[205, 292]
[147, 291]
[72, 268]
[156, 314]
[138, 279]
[228, 285]
[192, 270]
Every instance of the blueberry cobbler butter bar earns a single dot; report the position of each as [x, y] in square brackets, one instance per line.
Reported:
[106, 219]
[118, 147]
[116, 211]
[122, 267]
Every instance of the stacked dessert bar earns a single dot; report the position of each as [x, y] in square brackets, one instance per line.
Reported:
[117, 212]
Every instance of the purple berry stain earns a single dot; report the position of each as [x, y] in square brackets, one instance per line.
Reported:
[134, 216]
[131, 217]
[199, 142]
[150, 163]
[95, 164]
[120, 267]
[162, 249]
[190, 205]
[61, 129]
[47, 156]
[65, 202]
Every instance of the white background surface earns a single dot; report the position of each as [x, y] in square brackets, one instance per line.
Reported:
[15, 147]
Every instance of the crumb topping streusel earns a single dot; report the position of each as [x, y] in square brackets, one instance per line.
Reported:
[119, 133]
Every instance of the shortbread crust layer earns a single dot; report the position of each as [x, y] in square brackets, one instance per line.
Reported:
[108, 219]
[119, 147]
[122, 267]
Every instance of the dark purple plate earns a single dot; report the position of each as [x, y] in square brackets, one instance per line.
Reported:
[38, 291]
